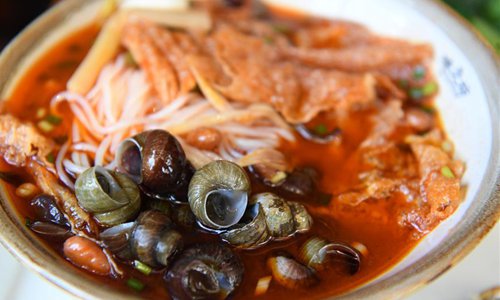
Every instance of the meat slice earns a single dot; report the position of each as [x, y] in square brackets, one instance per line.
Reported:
[21, 141]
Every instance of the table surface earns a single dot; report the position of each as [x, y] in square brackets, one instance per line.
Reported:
[479, 271]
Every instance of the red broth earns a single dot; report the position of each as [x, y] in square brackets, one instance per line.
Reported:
[374, 225]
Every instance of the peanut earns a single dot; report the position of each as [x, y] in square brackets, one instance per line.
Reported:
[87, 255]
[204, 138]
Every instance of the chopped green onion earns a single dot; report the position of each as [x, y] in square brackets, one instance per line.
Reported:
[404, 84]
[27, 222]
[135, 284]
[268, 40]
[429, 89]
[447, 172]
[281, 28]
[54, 120]
[142, 267]
[321, 129]
[40, 113]
[419, 72]
[51, 157]
[428, 109]
[45, 126]
[416, 93]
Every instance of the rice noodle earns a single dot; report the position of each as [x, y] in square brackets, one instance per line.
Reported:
[123, 103]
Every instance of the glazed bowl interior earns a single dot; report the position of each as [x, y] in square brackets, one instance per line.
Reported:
[468, 74]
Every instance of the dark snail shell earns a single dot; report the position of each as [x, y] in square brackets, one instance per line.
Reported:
[112, 197]
[183, 216]
[205, 271]
[290, 273]
[156, 161]
[301, 218]
[279, 216]
[251, 234]
[150, 239]
[45, 209]
[218, 194]
[117, 240]
[318, 253]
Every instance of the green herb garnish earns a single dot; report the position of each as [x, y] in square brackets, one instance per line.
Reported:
[429, 89]
[419, 72]
[404, 84]
[447, 172]
[321, 129]
[428, 109]
[54, 120]
[27, 222]
[142, 267]
[45, 126]
[135, 284]
[416, 93]
[268, 40]
[40, 113]
[51, 158]
[281, 28]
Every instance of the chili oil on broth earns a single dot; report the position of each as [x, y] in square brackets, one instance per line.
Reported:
[387, 242]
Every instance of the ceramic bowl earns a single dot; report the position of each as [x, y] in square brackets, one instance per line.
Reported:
[469, 100]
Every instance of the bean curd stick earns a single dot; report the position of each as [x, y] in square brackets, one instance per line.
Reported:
[104, 49]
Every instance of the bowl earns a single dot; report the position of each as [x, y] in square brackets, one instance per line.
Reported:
[468, 72]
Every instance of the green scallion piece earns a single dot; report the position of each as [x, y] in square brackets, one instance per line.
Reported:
[54, 120]
[40, 113]
[447, 172]
[428, 109]
[27, 222]
[419, 72]
[268, 40]
[429, 89]
[416, 93]
[142, 267]
[51, 158]
[281, 28]
[404, 84]
[135, 284]
[321, 129]
[45, 126]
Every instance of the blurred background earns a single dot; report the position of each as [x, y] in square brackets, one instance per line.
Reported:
[483, 14]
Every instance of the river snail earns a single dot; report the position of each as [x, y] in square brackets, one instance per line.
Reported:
[290, 273]
[218, 194]
[111, 196]
[151, 239]
[319, 254]
[155, 160]
[204, 271]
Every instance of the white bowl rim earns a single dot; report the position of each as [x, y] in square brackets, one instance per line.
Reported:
[481, 216]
